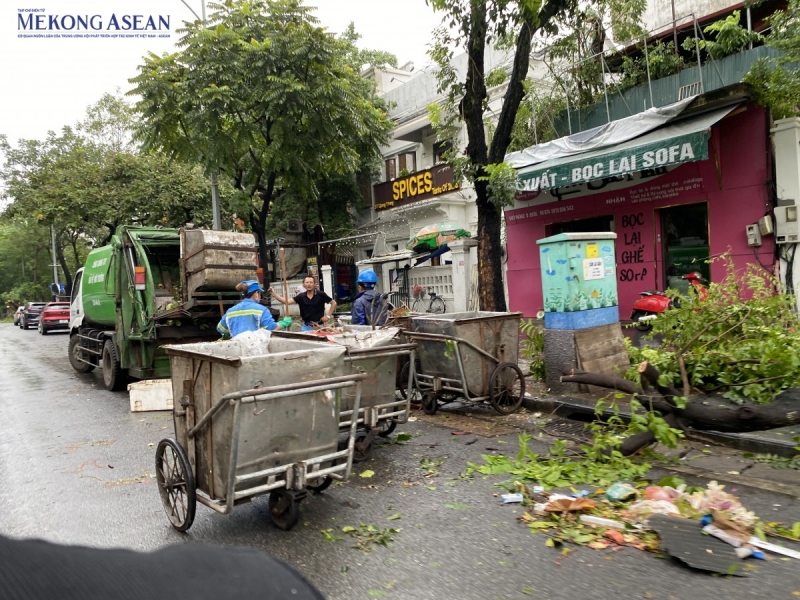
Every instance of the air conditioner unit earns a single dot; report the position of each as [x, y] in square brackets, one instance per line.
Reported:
[294, 226]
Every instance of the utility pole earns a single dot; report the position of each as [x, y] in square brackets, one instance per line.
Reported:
[55, 261]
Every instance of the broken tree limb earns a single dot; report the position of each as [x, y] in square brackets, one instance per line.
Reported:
[702, 411]
[611, 382]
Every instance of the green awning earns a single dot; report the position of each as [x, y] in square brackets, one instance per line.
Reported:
[669, 145]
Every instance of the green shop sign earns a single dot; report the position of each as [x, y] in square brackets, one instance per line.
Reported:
[616, 161]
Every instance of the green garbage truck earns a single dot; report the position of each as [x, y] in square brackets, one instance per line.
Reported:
[150, 287]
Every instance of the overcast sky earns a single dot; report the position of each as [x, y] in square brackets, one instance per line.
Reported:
[49, 82]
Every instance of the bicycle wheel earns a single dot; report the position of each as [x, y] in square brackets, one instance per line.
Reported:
[438, 307]
[418, 306]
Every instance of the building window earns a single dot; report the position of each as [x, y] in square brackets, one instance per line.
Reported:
[439, 149]
[391, 170]
[407, 162]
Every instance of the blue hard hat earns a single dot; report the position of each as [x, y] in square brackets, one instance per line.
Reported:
[367, 276]
[253, 286]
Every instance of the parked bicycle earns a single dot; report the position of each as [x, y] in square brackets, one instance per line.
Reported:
[435, 305]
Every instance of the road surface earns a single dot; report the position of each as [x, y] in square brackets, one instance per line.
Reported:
[76, 467]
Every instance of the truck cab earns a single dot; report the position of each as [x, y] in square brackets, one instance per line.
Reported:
[151, 287]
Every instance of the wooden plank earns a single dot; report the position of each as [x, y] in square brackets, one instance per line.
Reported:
[602, 350]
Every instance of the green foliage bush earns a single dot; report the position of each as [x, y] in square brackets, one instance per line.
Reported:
[741, 342]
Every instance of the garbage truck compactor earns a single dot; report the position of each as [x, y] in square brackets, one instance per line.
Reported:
[151, 287]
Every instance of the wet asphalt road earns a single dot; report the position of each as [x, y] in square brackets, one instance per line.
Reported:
[76, 467]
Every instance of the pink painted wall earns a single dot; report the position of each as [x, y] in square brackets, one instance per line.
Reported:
[739, 143]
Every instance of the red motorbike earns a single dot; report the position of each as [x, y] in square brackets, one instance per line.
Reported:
[653, 302]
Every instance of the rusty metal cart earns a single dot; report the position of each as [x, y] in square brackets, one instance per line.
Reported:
[471, 356]
[372, 352]
[236, 438]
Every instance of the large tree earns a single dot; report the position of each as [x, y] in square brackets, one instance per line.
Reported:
[263, 95]
[88, 180]
[475, 26]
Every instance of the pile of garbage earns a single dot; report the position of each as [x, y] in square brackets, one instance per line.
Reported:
[707, 528]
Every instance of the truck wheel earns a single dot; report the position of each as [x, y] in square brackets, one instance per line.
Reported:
[75, 356]
[114, 376]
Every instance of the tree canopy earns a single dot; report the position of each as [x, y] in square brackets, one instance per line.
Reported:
[263, 95]
[86, 181]
[574, 31]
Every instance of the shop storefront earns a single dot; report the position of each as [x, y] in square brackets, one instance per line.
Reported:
[675, 196]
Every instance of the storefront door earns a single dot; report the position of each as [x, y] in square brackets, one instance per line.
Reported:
[684, 239]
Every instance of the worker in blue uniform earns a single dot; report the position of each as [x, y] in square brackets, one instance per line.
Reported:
[369, 307]
[249, 314]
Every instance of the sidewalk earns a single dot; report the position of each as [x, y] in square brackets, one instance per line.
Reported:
[736, 458]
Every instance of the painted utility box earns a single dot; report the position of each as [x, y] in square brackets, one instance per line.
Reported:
[579, 280]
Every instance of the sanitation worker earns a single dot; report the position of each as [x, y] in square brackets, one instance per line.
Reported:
[249, 315]
[311, 302]
[369, 307]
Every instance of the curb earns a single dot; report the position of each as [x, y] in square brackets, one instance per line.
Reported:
[577, 409]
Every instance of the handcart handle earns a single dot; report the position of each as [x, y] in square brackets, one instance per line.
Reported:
[396, 347]
[437, 337]
[290, 387]
[279, 390]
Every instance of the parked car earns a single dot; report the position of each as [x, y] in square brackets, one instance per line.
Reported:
[30, 314]
[54, 316]
[18, 315]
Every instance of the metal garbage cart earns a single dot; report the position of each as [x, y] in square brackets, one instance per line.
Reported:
[237, 437]
[470, 356]
[373, 351]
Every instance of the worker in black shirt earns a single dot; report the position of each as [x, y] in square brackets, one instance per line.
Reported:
[311, 303]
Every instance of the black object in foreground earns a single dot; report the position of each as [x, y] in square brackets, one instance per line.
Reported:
[39, 570]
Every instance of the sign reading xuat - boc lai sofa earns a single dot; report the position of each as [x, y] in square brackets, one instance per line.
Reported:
[674, 151]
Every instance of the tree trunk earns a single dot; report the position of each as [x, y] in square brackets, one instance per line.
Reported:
[702, 411]
[64, 268]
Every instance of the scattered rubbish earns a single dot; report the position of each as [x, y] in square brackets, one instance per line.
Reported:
[620, 492]
[511, 498]
[654, 492]
[715, 501]
[770, 547]
[537, 489]
[582, 494]
[615, 536]
[560, 503]
[681, 539]
[734, 538]
[644, 509]
[747, 552]
[601, 522]
[460, 433]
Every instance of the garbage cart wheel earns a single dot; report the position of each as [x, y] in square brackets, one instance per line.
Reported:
[403, 384]
[324, 483]
[430, 403]
[284, 509]
[386, 427]
[507, 388]
[362, 454]
[175, 484]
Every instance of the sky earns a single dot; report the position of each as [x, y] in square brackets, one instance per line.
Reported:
[49, 81]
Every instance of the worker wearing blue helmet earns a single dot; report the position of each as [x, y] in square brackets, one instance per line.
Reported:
[369, 307]
[249, 314]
